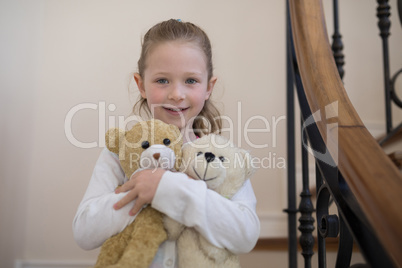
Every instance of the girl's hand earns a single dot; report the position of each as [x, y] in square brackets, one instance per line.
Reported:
[142, 187]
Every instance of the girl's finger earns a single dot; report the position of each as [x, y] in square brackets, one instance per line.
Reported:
[126, 186]
[137, 207]
[125, 200]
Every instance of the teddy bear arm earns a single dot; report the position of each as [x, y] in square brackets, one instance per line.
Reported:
[188, 250]
[218, 255]
[191, 255]
[173, 228]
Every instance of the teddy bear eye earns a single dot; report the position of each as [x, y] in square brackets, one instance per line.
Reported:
[199, 153]
[166, 142]
[145, 144]
[222, 158]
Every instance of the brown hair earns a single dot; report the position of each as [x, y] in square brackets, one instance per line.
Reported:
[209, 120]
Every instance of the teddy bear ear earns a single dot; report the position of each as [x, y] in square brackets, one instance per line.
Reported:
[247, 161]
[187, 149]
[113, 138]
[175, 129]
[176, 132]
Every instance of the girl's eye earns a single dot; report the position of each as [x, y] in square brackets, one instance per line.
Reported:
[162, 81]
[222, 158]
[199, 153]
[191, 81]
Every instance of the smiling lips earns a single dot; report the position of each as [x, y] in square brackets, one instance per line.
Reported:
[175, 110]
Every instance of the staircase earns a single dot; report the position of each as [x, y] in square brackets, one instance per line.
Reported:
[353, 171]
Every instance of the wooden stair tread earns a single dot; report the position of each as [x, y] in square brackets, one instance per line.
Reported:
[395, 138]
[396, 157]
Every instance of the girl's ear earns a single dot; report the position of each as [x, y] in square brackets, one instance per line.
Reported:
[140, 84]
[211, 85]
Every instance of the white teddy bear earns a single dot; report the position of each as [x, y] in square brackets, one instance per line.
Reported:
[224, 168]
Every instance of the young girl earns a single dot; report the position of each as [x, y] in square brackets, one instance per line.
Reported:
[175, 79]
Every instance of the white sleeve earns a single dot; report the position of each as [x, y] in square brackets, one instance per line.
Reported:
[96, 220]
[231, 224]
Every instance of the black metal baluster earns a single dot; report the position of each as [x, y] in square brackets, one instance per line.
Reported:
[337, 45]
[400, 10]
[383, 13]
[322, 262]
[345, 246]
[306, 207]
[291, 161]
[323, 197]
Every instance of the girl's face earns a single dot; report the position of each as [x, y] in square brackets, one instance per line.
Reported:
[175, 82]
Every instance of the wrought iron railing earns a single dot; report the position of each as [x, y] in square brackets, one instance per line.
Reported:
[383, 13]
[352, 171]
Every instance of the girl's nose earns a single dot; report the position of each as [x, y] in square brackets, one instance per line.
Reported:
[176, 93]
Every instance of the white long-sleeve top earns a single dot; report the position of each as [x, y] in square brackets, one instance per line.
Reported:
[232, 224]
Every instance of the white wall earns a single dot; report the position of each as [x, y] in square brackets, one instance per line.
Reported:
[56, 55]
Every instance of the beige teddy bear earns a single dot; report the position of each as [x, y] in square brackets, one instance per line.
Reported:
[149, 144]
[224, 168]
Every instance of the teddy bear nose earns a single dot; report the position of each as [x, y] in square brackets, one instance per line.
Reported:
[209, 157]
[156, 156]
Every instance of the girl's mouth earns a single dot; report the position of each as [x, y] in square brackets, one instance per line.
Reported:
[175, 110]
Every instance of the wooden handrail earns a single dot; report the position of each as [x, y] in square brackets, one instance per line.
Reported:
[370, 174]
